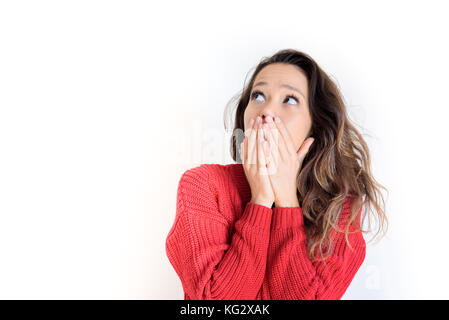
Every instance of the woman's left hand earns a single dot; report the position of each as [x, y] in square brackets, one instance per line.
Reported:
[283, 162]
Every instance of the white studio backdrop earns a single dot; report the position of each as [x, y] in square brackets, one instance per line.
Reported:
[104, 104]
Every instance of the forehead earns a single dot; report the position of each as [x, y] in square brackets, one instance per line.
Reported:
[277, 74]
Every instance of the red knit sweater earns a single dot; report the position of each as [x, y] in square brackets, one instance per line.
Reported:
[224, 247]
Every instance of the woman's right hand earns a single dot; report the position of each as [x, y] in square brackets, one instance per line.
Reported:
[254, 164]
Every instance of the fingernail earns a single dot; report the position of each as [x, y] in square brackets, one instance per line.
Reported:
[259, 120]
[269, 119]
[278, 120]
[251, 122]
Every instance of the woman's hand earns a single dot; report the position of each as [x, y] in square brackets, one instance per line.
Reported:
[254, 164]
[284, 162]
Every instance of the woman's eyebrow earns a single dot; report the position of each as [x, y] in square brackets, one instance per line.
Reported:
[262, 83]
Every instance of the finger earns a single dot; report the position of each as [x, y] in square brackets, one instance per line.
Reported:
[271, 163]
[273, 152]
[282, 150]
[279, 152]
[270, 139]
[248, 129]
[261, 162]
[242, 155]
[287, 139]
[266, 148]
[252, 156]
[245, 148]
[247, 134]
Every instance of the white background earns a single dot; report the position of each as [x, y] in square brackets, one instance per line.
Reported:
[104, 104]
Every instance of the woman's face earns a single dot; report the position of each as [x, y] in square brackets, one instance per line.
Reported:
[290, 102]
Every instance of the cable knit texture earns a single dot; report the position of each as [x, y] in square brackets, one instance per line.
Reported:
[224, 247]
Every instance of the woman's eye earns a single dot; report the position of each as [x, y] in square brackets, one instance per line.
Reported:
[257, 93]
[293, 98]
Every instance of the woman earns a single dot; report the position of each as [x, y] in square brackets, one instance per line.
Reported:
[285, 221]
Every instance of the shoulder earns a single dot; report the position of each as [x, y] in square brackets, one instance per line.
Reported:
[215, 175]
[225, 184]
[200, 174]
[205, 179]
[201, 192]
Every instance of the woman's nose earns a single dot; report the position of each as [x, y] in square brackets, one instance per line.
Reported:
[267, 118]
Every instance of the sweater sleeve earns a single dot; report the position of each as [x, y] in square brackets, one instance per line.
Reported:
[212, 263]
[293, 276]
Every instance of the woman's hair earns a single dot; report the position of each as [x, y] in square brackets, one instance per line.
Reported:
[337, 165]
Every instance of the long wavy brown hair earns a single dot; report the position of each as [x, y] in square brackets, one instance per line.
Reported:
[337, 166]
